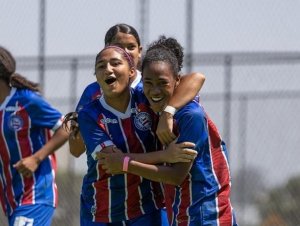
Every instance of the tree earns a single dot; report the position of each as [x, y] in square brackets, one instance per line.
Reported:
[282, 205]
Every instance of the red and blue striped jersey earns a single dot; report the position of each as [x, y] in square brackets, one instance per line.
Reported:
[93, 91]
[113, 198]
[25, 123]
[204, 196]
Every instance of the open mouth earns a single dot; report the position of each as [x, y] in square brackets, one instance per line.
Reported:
[110, 80]
[156, 99]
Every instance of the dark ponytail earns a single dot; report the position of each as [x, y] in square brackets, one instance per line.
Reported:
[8, 69]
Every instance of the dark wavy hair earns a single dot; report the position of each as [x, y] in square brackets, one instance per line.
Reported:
[167, 50]
[9, 75]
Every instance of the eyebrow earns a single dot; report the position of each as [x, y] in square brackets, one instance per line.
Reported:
[111, 59]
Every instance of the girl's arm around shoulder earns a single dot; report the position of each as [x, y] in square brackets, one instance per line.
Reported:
[189, 86]
[187, 90]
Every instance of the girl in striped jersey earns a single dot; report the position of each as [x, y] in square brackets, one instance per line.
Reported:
[197, 193]
[27, 161]
[121, 117]
[126, 37]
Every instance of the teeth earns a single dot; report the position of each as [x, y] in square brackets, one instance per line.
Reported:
[156, 99]
[110, 79]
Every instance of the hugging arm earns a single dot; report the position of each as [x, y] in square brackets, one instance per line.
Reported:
[187, 90]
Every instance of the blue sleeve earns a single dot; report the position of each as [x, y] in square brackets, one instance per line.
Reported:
[42, 114]
[87, 95]
[94, 136]
[84, 99]
[193, 128]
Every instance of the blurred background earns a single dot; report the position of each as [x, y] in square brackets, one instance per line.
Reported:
[248, 50]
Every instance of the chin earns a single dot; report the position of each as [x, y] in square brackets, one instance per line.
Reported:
[157, 108]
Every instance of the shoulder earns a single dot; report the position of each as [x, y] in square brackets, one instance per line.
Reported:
[94, 85]
[139, 96]
[91, 88]
[139, 87]
[89, 108]
[192, 110]
[29, 95]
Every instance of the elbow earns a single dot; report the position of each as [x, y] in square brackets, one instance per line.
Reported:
[75, 153]
[178, 182]
[175, 180]
[201, 77]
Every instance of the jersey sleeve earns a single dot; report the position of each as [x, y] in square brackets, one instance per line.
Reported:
[192, 127]
[94, 136]
[89, 93]
[84, 99]
[42, 114]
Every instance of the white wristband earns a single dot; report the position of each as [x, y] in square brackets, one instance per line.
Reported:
[170, 110]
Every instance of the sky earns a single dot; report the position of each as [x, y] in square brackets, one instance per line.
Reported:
[77, 27]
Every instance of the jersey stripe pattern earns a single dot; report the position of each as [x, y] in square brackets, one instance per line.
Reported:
[25, 123]
[203, 197]
[113, 198]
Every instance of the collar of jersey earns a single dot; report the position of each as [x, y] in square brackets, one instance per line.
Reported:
[136, 80]
[119, 114]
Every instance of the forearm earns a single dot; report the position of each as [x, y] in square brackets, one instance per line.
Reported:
[155, 157]
[58, 139]
[76, 144]
[157, 173]
[189, 86]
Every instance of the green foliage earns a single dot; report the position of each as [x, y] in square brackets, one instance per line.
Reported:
[282, 204]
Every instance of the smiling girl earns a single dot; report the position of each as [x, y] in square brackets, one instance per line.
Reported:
[196, 192]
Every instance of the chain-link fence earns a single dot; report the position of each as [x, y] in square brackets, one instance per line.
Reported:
[254, 98]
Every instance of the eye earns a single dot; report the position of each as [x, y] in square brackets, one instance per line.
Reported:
[163, 83]
[115, 63]
[131, 47]
[100, 66]
[147, 83]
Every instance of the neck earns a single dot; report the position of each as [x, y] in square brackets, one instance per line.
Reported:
[120, 102]
[4, 90]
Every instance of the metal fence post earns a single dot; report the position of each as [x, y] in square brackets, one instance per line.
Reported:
[41, 57]
[227, 99]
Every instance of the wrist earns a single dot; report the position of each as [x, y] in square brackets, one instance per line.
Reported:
[170, 109]
[37, 159]
[126, 161]
[162, 156]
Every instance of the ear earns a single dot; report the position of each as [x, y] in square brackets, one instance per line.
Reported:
[140, 52]
[132, 72]
[177, 81]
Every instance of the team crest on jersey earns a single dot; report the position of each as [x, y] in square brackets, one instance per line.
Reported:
[15, 122]
[143, 121]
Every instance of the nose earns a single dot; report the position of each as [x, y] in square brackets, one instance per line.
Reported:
[155, 90]
[109, 69]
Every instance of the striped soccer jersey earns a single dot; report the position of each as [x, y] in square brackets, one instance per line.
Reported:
[113, 198]
[25, 122]
[203, 197]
